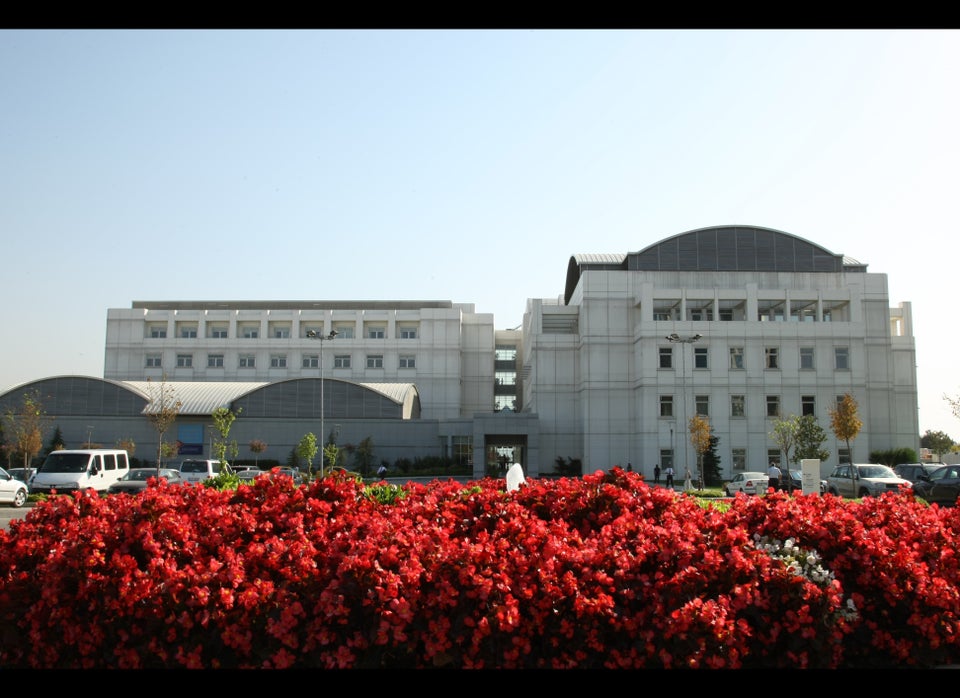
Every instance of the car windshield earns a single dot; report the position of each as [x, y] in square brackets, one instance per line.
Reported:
[65, 463]
[193, 467]
[144, 474]
[876, 471]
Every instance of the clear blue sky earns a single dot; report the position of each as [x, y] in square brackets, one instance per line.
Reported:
[463, 165]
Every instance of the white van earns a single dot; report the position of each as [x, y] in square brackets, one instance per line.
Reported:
[80, 469]
[194, 470]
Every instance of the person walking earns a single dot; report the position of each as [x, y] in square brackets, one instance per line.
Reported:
[688, 481]
[669, 473]
[773, 473]
[656, 474]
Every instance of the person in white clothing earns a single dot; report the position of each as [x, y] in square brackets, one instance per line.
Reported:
[773, 473]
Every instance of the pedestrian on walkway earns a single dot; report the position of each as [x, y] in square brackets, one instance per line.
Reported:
[688, 481]
[656, 474]
[669, 473]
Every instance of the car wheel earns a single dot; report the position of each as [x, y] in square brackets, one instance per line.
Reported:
[864, 492]
[20, 498]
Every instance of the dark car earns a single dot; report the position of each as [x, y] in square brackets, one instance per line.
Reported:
[942, 486]
[136, 480]
[915, 471]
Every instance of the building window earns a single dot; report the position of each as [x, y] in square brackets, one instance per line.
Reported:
[184, 361]
[666, 357]
[738, 406]
[806, 358]
[408, 333]
[773, 405]
[736, 358]
[408, 361]
[341, 361]
[772, 357]
[700, 357]
[188, 332]
[841, 358]
[281, 333]
[666, 405]
[773, 456]
[214, 360]
[278, 361]
[218, 332]
[154, 361]
[311, 361]
[343, 331]
[374, 360]
[462, 450]
[376, 332]
[738, 457]
[157, 332]
[250, 331]
[666, 458]
[808, 405]
[248, 361]
[843, 455]
[703, 405]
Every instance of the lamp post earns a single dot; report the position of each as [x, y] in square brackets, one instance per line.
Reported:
[674, 338]
[314, 335]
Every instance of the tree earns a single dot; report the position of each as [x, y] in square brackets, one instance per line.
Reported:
[162, 413]
[26, 424]
[810, 437]
[128, 445]
[223, 419]
[363, 455]
[938, 442]
[256, 448]
[784, 434]
[845, 422]
[711, 463]
[700, 440]
[55, 443]
[307, 450]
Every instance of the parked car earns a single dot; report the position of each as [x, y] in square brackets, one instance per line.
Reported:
[249, 475]
[136, 480]
[749, 482]
[914, 471]
[241, 468]
[942, 486]
[854, 480]
[792, 480]
[21, 474]
[194, 470]
[12, 490]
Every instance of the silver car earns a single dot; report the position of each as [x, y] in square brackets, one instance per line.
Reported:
[856, 480]
[12, 490]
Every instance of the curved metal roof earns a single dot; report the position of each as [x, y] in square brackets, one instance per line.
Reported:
[718, 248]
[197, 398]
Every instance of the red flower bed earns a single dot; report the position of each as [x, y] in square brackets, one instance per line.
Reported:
[599, 571]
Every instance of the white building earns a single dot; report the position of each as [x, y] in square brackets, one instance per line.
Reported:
[763, 324]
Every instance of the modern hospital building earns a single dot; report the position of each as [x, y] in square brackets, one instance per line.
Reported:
[740, 324]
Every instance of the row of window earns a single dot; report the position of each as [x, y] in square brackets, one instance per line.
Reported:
[280, 361]
[771, 358]
[738, 405]
[252, 331]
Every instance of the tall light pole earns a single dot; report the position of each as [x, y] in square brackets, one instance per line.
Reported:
[674, 338]
[323, 437]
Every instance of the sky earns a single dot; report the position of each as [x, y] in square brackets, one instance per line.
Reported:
[462, 165]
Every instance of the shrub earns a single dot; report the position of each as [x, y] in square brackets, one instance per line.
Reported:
[601, 571]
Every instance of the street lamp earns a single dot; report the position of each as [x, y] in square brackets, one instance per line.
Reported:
[314, 335]
[674, 338]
